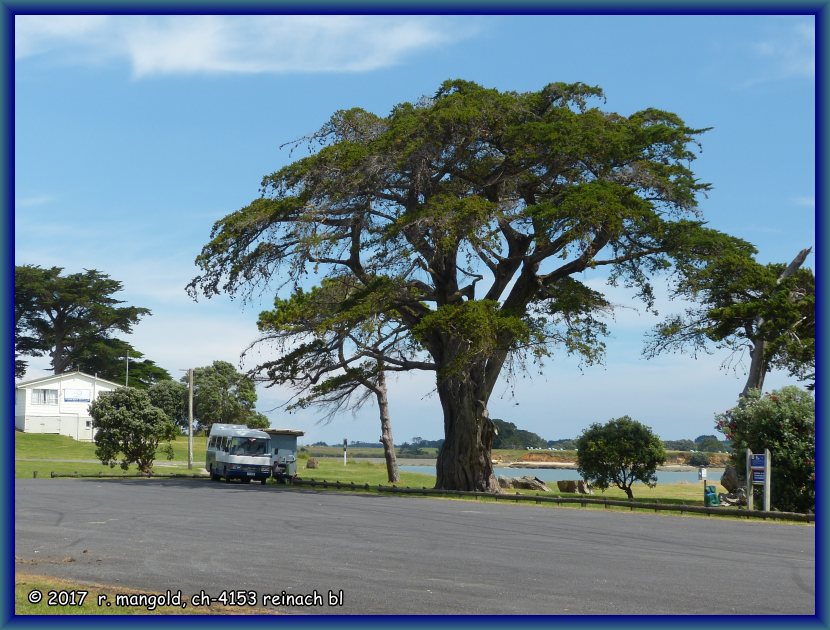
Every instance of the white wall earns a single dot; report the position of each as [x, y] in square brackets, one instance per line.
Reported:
[70, 416]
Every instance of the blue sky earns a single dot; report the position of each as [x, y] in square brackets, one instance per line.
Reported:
[134, 134]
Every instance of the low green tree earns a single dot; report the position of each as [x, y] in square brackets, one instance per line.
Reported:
[783, 421]
[698, 459]
[128, 427]
[619, 453]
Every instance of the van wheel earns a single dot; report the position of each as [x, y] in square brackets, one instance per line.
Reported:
[213, 476]
[263, 481]
[227, 478]
[246, 480]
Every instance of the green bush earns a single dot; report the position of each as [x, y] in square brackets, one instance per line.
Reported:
[784, 422]
[619, 453]
[128, 427]
[699, 459]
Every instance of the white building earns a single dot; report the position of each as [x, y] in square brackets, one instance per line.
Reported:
[58, 404]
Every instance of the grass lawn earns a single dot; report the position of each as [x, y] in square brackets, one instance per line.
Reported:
[32, 446]
[375, 474]
[46, 448]
[331, 469]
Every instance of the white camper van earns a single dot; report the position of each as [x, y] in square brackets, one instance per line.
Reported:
[235, 451]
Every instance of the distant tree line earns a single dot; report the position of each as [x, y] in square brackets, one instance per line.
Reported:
[511, 437]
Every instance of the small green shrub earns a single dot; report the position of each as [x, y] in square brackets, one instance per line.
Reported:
[699, 459]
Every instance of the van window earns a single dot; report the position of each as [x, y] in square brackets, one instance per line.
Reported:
[249, 446]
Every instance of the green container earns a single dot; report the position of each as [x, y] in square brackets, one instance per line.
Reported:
[710, 497]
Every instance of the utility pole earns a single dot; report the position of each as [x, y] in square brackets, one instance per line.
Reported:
[190, 419]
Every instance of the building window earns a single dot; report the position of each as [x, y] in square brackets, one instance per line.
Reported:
[44, 397]
[89, 424]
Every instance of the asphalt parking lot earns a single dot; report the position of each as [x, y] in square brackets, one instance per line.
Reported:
[395, 555]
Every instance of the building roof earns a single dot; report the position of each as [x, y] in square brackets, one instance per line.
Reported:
[58, 377]
[284, 432]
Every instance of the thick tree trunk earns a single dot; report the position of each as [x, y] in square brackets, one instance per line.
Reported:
[386, 439]
[59, 359]
[464, 462]
[757, 367]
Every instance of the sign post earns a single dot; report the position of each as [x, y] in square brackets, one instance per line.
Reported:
[701, 475]
[345, 442]
[758, 473]
[190, 419]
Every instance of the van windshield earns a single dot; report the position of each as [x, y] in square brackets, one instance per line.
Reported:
[249, 446]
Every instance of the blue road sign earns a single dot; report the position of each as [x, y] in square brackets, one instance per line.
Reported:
[758, 476]
[757, 461]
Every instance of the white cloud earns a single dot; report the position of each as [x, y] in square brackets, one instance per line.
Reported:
[235, 44]
[787, 54]
[37, 34]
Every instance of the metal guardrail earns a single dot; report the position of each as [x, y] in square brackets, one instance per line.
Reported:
[558, 500]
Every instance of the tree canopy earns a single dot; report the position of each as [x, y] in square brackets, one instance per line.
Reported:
[129, 428]
[172, 398]
[461, 225]
[222, 394]
[510, 436]
[619, 452]
[108, 359]
[71, 318]
[744, 306]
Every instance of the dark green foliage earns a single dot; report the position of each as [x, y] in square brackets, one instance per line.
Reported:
[128, 429]
[221, 394]
[258, 420]
[698, 459]
[509, 436]
[410, 450]
[455, 231]
[107, 359]
[28, 284]
[172, 398]
[72, 318]
[784, 422]
[710, 444]
[619, 453]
